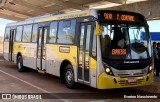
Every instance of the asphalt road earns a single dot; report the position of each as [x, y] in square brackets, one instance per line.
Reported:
[50, 87]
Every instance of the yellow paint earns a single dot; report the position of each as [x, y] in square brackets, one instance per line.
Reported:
[53, 53]
[92, 63]
[98, 29]
[18, 47]
[106, 81]
[65, 16]
[150, 81]
[26, 49]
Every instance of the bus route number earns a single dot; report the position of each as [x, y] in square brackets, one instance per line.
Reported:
[108, 16]
[118, 51]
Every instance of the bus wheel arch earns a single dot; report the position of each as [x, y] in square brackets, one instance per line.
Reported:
[19, 61]
[67, 69]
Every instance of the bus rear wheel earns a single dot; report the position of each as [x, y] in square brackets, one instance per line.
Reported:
[20, 66]
[69, 76]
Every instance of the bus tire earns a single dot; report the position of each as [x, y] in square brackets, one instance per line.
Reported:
[69, 76]
[20, 66]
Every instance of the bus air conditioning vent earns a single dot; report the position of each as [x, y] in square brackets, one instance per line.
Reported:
[129, 75]
[138, 74]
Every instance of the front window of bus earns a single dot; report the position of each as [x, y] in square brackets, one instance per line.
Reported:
[124, 41]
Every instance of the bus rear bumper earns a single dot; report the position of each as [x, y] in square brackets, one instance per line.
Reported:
[108, 82]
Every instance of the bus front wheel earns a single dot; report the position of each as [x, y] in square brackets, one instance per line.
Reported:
[69, 76]
[20, 66]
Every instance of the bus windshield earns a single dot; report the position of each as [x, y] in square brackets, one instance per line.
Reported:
[124, 41]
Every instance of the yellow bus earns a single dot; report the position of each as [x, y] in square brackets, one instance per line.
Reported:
[100, 48]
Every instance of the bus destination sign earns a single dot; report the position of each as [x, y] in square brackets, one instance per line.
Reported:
[119, 17]
[112, 16]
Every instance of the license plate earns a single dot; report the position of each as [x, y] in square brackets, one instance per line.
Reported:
[131, 80]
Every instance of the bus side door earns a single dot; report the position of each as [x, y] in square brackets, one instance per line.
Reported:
[11, 43]
[41, 48]
[86, 32]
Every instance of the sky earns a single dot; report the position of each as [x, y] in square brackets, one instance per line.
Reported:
[3, 23]
[154, 26]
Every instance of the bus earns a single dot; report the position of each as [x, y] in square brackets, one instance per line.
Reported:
[100, 48]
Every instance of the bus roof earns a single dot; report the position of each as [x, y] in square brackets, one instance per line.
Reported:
[51, 17]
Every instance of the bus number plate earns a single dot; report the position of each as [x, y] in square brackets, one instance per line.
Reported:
[132, 80]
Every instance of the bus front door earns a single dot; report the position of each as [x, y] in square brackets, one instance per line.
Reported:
[41, 48]
[85, 30]
[11, 42]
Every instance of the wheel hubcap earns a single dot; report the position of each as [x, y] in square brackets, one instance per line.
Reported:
[19, 65]
[69, 76]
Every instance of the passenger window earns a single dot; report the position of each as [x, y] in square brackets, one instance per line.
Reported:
[66, 32]
[88, 37]
[35, 33]
[94, 45]
[53, 32]
[7, 34]
[27, 33]
[19, 33]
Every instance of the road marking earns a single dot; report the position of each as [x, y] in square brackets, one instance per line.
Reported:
[34, 86]
[107, 100]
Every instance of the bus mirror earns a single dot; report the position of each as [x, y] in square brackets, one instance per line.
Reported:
[98, 29]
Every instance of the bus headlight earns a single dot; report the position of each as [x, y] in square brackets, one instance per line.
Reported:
[108, 70]
[150, 68]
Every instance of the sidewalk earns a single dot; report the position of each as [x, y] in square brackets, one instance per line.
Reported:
[154, 88]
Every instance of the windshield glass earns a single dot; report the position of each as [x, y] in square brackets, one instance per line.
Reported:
[124, 41]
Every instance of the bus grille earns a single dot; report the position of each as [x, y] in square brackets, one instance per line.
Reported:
[126, 83]
[128, 75]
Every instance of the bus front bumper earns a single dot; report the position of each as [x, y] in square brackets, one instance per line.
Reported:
[107, 82]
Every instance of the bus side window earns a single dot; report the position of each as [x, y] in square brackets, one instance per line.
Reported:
[53, 32]
[66, 32]
[35, 33]
[94, 44]
[27, 30]
[19, 33]
[7, 34]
